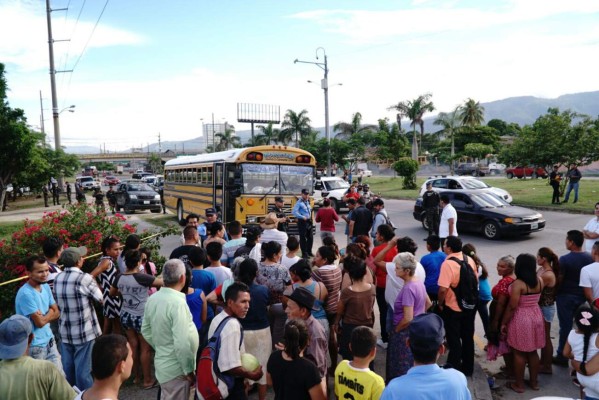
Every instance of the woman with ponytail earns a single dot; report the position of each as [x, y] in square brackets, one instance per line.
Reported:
[582, 345]
[288, 372]
[548, 262]
[484, 289]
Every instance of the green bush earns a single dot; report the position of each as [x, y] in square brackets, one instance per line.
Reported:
[407, 168]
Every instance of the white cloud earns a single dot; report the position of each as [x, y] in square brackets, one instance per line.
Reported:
[23, 29]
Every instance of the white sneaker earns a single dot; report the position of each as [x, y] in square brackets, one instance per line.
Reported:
[382, 344]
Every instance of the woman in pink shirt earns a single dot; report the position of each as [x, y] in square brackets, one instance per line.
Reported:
[327, 216]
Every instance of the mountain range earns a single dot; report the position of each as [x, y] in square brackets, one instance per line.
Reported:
[522, 110]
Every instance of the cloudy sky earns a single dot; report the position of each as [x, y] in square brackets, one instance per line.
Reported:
[150, 66]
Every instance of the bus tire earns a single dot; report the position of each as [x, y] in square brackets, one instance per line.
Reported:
[180, 210]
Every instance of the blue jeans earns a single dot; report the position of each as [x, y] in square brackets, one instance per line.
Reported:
[566, 306]
[48, 352]
[572, 185]
[77, 364]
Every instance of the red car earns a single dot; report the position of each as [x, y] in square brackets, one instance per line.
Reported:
[111, 180]
[521, 172]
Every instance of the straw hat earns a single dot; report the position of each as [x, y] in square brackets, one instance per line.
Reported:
[270, 221]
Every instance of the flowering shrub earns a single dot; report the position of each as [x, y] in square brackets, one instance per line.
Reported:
[78, 225]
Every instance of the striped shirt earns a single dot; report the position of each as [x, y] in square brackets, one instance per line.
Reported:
[74, 291]
[331, 276]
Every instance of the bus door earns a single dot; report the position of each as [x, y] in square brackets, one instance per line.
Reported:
[231, 193]
[218, 192]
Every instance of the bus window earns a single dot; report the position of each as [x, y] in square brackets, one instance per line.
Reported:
[295, 178]
[260, 178]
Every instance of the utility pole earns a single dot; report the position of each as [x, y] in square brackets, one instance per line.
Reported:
[42, 117]
[53, 71]
[159, 144]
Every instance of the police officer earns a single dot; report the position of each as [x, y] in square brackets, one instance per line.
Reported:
[430, 202]
[278, 209]
[69, 192]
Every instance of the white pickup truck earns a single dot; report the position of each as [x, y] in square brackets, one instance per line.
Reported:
[333, 188]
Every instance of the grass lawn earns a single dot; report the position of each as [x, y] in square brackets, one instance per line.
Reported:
[534, 193]
[8, 228]
[26, 202]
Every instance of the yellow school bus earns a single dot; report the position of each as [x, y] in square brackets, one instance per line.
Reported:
[241, 184]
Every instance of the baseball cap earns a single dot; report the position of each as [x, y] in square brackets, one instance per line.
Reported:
[426, 332]
[210, 211]
[305, 191]
[303, 297]
[14, 337]
[279, 199]
[71, 255]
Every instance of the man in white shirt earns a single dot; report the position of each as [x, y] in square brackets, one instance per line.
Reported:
[589, 276]
[214, 252]
[449, 220]
[591, 231]
[270, 232]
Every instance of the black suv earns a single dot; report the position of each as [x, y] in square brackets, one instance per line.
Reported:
[469, 169]
[131, 196]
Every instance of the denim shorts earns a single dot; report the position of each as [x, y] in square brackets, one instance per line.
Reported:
[131, 321]
[548, 312]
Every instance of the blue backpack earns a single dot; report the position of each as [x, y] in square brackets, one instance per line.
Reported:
[211, 383]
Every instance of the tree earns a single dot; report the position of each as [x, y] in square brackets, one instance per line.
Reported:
[407, 168]
[472, 113]
[156, 163]
[18, 143]
[268, 135]
[227, 139]
[414, 111]
[477, 150]
[345, 130]
[450, 122]
[295, 124]
[389, 141]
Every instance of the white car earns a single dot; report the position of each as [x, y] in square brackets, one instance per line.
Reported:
[364, 173]
[462, 182]
[331, 187]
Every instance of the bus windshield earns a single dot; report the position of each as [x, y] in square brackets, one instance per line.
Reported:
[276, 179]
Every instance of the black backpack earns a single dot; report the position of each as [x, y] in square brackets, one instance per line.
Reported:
[466, 291]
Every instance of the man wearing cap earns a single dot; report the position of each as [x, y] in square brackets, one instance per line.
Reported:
[299, 306]
[75, 290]
[34, 300]
[303, 213]
[426, 380]
[21, 376]
[204, 227]
[270, 233]
[430, 203]
[279, 211]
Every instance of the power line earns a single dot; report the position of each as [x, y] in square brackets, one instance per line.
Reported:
[68, 86]
[91, 35]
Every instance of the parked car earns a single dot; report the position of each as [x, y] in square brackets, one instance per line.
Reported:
[453, 182]
[473, 169]
[484, 212]
[111, 180]
[135, 195]
[149, 179]
[333, 188]
[521, 172]
[364, 173]
[140, 175]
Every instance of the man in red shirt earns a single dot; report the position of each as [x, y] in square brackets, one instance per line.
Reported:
[327, 216]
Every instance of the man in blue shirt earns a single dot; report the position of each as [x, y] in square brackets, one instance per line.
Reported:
[34, 300]
[303, 213]
[432, 265]
[426, 380]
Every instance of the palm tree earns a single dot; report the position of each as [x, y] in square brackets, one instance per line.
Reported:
[297, 124]
[269, 134]
[414, 110]
[450, 122]
[348, 129]
[227, 139]
[472, 113]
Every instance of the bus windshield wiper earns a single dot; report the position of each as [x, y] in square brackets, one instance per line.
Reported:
[271, 189]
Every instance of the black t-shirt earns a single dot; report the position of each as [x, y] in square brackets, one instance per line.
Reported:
[362, 218]
[182, 253]
[430, 199]
[292, 380]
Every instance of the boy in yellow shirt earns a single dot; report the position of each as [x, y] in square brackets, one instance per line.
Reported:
[354, 379]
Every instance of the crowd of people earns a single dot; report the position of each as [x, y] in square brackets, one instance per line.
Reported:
[305, 316]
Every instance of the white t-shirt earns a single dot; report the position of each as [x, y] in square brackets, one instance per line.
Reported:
[591, 382]
[589, 278]
[274, 235]
[448, 213]
[395, 284]
[288, 262]
[220, 273]
[591, 226]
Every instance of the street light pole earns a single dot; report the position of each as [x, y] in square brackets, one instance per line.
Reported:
[325, 87]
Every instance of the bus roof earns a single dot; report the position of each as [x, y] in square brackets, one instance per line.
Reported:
[232, 155]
